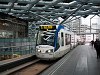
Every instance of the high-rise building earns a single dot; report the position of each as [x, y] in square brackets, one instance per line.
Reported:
[77, 27]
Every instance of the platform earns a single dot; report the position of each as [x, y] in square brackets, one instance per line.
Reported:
[80, 61]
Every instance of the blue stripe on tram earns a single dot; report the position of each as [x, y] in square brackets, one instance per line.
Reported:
[56, 36]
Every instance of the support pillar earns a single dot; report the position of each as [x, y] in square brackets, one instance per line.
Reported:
[93, 37]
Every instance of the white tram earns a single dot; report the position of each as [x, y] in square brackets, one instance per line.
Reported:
[54, 41]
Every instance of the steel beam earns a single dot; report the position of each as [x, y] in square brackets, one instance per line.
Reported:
[71, 14]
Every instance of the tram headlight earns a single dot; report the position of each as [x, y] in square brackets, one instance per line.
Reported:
[39, 50]
[49, 51]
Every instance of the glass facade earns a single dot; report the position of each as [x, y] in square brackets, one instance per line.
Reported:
[14, 40]
[10, 48]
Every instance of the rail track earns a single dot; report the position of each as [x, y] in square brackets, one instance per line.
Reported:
[34, 67]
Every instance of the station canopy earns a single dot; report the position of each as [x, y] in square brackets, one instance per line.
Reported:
[49, 9]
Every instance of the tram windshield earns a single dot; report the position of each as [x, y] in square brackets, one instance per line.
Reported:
[46, 38]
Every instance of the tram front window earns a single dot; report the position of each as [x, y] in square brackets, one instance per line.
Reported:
[46, 38]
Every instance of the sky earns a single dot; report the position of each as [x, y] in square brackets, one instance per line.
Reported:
[95, 22]
[95, 19]
[86, 21]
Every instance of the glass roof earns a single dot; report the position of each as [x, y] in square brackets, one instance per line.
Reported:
[49, 9]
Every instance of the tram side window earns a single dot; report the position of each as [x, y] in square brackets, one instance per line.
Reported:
[58, 42]
[38, 39]
[67, 39]
[62, 39]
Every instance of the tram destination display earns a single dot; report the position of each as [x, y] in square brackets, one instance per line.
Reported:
[47, 27]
